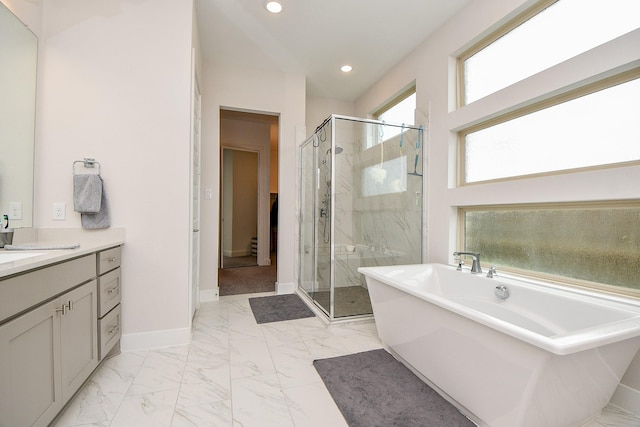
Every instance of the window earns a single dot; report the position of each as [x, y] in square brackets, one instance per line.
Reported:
[581, 114]
[598, 243]
[556, 32]
[399, 111]
[597, 129]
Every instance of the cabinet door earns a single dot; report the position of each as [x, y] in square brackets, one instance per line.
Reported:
[30, 393]
[78, 337]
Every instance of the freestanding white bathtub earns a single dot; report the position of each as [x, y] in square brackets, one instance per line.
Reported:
[545, 356]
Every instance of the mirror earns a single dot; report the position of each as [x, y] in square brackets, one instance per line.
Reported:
[18, 62]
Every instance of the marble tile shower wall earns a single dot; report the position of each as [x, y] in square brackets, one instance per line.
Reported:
[388, 224]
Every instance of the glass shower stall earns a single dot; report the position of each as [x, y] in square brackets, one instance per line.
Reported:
[360, 205]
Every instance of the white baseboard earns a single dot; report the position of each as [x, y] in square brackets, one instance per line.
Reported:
[626, 398]
[208, 295]
[155, 339]
[285, 288]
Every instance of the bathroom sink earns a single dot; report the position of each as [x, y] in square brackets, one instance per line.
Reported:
[16, 256]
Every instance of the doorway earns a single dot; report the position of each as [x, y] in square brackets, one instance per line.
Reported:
[248, 189]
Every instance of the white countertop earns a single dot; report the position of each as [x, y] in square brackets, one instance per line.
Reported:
[90, 242]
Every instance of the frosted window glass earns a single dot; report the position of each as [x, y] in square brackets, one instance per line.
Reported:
[599, 245]
[560, 32]
[401, 113]
[597, 129]
[385, 178]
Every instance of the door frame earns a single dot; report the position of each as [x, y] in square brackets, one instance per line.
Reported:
[195, 149]
[264, 178]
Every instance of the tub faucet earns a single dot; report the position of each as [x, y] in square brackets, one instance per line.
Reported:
[475, 267]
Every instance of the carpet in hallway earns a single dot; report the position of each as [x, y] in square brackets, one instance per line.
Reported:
[247, 280]
[240, 261]
[374, 389]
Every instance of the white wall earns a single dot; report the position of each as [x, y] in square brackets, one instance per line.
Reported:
[245, 201]
[432, 65]
[318, 109]
[115, 85]
[255, 90]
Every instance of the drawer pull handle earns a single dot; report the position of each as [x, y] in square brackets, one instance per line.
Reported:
[114, 290]
[112, 259]
[113, 329]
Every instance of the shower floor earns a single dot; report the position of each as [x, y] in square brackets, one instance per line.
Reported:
[349, 301]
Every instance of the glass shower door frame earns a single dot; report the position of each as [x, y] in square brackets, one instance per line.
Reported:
[303, 246]
[314, 230]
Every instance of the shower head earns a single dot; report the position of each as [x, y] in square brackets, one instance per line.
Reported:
[338, 150]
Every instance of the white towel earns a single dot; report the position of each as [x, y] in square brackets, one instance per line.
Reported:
[87, 193]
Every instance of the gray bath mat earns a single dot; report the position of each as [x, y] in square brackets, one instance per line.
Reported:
[374, 389]
[277, 308]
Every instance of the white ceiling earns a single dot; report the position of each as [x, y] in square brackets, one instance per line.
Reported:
[316, 37]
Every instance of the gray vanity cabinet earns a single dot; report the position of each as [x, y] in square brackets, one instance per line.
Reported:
[49, 350]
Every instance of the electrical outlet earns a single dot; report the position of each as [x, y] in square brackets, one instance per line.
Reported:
[59, 211]
[15, 210]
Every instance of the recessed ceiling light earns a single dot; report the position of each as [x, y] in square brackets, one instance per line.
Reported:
[273, 6]
[346, 68]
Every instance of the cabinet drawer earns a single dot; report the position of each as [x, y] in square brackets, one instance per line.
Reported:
[109, 331]
[108, 291]
[21, 292]
[108, 260]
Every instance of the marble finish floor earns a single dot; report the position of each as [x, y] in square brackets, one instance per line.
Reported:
[234, 373]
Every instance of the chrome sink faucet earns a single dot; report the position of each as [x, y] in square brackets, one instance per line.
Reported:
[475, 267]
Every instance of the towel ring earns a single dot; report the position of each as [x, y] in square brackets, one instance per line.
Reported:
[88, 162]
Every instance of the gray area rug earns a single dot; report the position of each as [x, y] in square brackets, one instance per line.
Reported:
[277, 308]
[374, 389]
